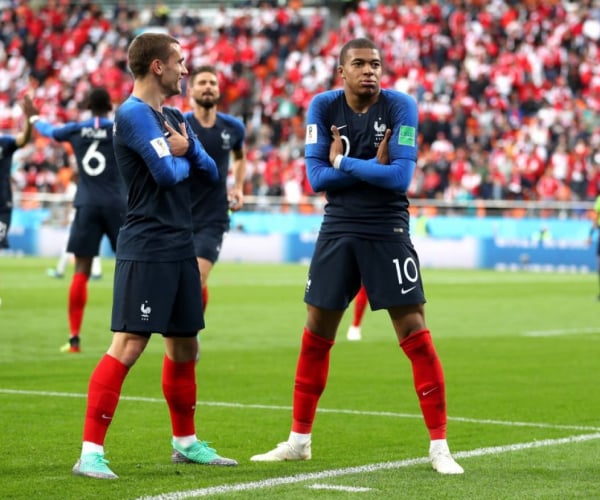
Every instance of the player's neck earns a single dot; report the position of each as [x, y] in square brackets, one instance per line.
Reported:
[361, 104]
[205, 116]
[149, 94]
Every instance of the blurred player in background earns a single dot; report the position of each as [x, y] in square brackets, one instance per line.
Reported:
[596, 227]
[157, 281]
[8, 145]
[223, 137]
[361, 150]
[65, 255]
[360, 305]
[100, 199]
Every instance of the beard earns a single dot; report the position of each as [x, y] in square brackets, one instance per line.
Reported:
[206, 102]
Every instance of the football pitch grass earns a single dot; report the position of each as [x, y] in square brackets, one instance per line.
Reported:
[520, 352]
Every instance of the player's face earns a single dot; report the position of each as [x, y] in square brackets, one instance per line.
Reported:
[173, 71]
[361, 72]
[205, 90]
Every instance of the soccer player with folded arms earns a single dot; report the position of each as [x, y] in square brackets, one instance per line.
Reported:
[361, 150]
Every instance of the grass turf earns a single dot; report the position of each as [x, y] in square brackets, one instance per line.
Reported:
[520, 353]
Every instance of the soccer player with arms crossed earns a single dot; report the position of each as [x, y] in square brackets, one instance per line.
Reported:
[157, 282]
[100, 199]
[361, 149]
[223, 137]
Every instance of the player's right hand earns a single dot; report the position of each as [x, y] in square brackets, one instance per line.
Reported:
[336, 147]
[383, 153]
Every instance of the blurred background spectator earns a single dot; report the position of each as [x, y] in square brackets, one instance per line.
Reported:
[508, 91]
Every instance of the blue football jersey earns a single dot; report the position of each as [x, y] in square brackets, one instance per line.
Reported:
[363, 197]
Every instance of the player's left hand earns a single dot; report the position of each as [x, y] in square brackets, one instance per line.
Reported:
[177, 139]
[383, 153]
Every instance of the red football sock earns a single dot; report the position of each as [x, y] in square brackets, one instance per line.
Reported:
[103, 396]
[204, 297]
[428, 378]
[360, 304]
[311, 378]
[179, 388]
[77, 301]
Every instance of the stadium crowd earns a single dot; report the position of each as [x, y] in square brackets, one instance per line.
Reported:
[508, 90]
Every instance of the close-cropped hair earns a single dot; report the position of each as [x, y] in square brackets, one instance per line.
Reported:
[147, 47]
[205, 68]
[356, 43]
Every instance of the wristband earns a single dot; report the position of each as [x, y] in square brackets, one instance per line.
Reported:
[337, 162]
[33, 119]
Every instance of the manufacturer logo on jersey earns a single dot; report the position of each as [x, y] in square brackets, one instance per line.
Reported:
[311, 134]
[407, 136]
[146, 310]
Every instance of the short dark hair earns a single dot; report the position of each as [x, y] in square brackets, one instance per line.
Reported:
[356, 43]
[205, 68]
[98, 101]
[147, 47]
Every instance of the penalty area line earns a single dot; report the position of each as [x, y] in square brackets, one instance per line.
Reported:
[314, 476]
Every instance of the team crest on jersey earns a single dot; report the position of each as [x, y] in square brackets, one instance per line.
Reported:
[407, 136]
[311, 134]
[226, 138]
[380, 129]
[160, 147]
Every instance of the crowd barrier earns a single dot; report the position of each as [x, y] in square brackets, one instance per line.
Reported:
[544, 244]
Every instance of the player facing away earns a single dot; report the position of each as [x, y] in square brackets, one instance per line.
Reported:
[157, 282]
[361, 150]
[360, 305]
[8, 145]
[222, 135]
[100, 199]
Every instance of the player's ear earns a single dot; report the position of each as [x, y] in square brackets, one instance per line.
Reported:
[156, 66]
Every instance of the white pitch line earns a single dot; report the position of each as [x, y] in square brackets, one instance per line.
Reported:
[564, 331]
[335, 487]
[537, 425]
[298, 478]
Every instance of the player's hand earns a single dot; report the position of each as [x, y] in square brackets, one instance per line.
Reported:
[28, 108]
[236, 200]
[177, 139]
[336, 147]
[383, 153]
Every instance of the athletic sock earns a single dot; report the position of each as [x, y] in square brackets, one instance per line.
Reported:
[103, 396]
[179, 389]
[204, 297]
[360, 304]
[428, 378]
[311, 377]
[77, 301]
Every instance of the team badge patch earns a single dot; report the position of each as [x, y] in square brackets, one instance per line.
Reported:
[160, 147]
[407, 136]
[311, 134]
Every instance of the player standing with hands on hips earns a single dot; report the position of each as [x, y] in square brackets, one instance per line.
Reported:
[157, 283]
[223, 137]
[361, 149]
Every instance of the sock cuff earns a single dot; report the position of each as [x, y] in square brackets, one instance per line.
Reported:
[314, 339]
[416, 339]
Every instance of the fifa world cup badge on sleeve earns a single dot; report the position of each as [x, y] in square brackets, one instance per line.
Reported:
[311, 134]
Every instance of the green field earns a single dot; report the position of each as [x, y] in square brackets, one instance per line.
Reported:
[520, 353]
